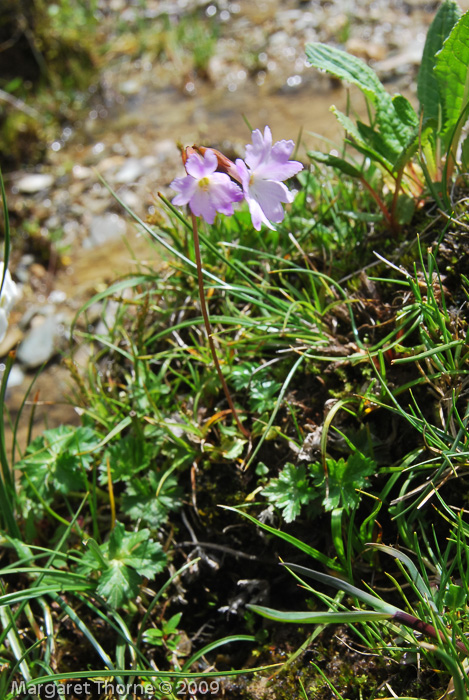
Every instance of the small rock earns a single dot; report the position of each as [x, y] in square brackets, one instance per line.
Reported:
[12, 338]
[38, 270]
[81, 172]
[16, 376]
[104, 228]
[30, 184]
[40, 343]
[130, 199]
[132, 169]
[131, 87]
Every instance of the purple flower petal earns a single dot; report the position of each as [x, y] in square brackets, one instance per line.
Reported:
[270, 194]
[223, 192]
[260, 149]
[257, 215]
[262, 180]
[186, 187]
[201, 205]
[205, 190]
[199, 167]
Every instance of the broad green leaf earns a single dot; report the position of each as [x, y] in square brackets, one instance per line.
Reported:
[347, 67]
[335, 162]
[405, 111]
[343, 479]
[118, 583]
[452, 72]
[428, 89]
[122, 561]
[290, 491]
[318, 618]
[352, 69]
[146, 500]
[347, 123]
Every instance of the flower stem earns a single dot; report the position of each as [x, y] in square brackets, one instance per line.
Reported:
[208, 329]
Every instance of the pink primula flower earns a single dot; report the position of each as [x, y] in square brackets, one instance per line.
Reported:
[262, 173]
[206, 191]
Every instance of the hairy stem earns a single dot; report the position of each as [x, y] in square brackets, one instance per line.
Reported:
[208, 328]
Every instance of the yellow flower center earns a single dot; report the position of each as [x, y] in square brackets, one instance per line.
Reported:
[204, 183]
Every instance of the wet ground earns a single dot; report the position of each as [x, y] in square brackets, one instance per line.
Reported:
[75, 238]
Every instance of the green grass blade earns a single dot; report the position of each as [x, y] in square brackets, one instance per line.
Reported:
[215, 645]
[6, 242]
[319, 618]
[416, 578]
[307, 549]
[341, 585]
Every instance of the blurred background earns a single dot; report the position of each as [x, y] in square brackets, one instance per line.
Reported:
[110, 87]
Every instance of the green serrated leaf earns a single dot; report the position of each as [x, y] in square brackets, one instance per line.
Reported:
[428, 88]
[347, 124]
[54, 461]
[343, 479]
[353, 70]
[452, 73]
[405, 111]
[122, 561]
[347, 67]
[146, 500]
[118, 583]
[136, 549]
[290, 491]
[335, 162]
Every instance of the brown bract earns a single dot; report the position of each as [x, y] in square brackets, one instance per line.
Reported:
[225, 165]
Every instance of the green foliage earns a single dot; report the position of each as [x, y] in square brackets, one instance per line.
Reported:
[452, 73]
[122, 562]
[292, 490]
[336, 487]
[263, 391]
[428, 86]
[396, 138]
[166, 635]
[342, 480]
[151, 498]
[56, 462]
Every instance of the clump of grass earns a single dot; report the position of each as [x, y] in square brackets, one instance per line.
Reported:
[346, 357]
